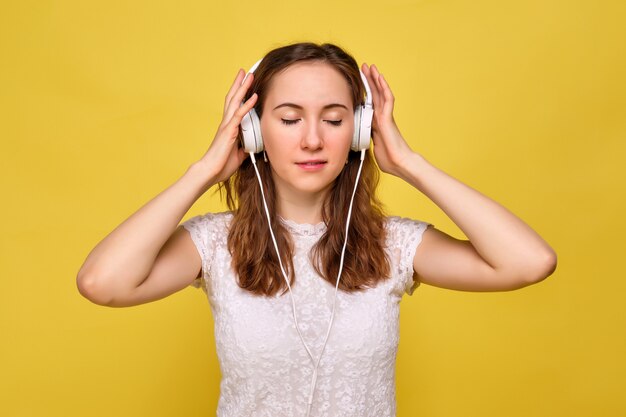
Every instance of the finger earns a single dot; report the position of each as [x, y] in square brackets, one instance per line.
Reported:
[237, 116]
[244, 86]
[376, 77]
[233, 87]
[238, 96]
[381, 85]
[240, 81]
[373, 88]
[389, 98]
[378, 86]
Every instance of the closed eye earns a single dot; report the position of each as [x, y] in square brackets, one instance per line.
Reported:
[290, 121]
[334, 122]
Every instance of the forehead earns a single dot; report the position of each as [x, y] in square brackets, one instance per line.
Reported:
[309, 84]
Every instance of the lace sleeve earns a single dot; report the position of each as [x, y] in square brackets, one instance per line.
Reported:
[204, 230]
[404, 236]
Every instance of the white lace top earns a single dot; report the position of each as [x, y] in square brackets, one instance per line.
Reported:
[265, 368]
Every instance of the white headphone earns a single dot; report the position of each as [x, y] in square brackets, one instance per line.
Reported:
[251, 124]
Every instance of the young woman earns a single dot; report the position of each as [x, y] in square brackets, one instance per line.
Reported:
[310, 329]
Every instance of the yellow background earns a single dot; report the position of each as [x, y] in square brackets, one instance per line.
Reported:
[106, 103]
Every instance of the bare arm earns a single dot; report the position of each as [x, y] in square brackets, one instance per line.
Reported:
[502, 253]
[147, 257]
[117, 267]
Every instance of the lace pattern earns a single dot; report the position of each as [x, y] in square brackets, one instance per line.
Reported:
[265, 369]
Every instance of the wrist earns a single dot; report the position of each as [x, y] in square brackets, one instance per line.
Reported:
[201, 176]
[413, 168]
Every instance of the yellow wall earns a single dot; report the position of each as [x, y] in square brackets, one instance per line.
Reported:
[104, 104]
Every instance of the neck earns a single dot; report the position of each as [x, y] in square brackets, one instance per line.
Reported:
[301, 208]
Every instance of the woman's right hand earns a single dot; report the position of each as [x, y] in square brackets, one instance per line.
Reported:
[224, 155]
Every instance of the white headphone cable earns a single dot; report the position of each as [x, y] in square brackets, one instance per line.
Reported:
[280, 262]
[343, 251]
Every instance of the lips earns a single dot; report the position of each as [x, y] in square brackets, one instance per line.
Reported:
[312, 164]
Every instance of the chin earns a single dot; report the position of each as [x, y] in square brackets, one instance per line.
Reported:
[312, 186]
[304, 182]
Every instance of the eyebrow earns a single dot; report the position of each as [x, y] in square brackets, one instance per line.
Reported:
[297, 106]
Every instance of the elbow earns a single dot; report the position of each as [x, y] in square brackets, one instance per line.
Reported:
[544, 265]
[90, 287]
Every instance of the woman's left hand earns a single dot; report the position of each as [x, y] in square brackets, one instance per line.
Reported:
[390, 148]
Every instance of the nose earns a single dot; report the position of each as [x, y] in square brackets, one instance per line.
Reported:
[312, 138]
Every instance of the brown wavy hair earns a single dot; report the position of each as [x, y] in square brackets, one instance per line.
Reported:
[254, 258]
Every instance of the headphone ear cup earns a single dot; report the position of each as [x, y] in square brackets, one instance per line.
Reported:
[252, 141]
[362, 127]
[357, 129]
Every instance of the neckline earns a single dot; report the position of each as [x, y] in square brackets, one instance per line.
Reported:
[303, 229]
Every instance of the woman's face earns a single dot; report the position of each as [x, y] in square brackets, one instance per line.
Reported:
[307, 125]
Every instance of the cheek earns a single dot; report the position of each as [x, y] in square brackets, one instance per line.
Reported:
[340, 139]
[267, 131]
[269, 143]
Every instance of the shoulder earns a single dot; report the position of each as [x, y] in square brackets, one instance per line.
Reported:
[399, 228]
[404, 234]
[209, 233]
[209, 227]
[208, 220]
